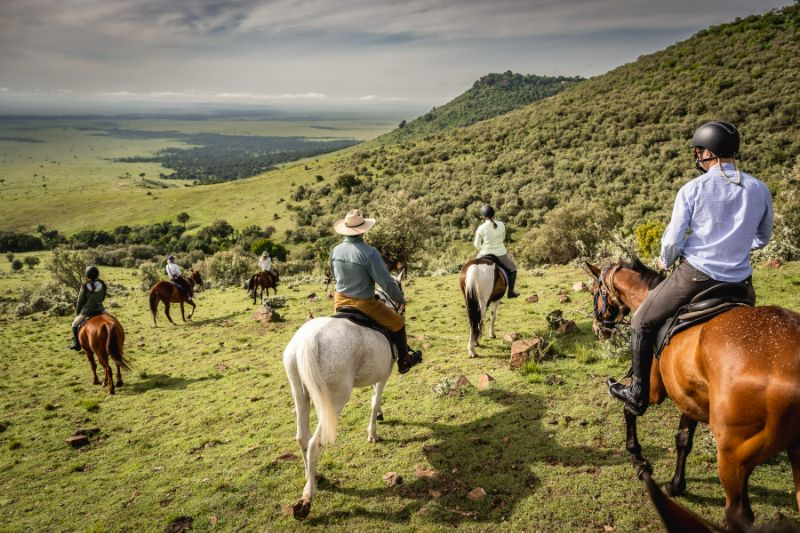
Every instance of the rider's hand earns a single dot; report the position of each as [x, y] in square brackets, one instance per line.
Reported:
[401, 309]
[661, 265]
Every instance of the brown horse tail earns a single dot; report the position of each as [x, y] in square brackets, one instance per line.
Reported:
[154, 301]
[251, 283]
[473, 304]
[114, 347]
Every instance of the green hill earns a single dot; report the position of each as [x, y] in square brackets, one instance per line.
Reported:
[620, 138]
[490, 96]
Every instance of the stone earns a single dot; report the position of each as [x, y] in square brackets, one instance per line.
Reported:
[564, 299]
[462, 381]
[579, 286]
[476, 494]
[511, 337]
[484, 380]
[523, 351]
[392, 479]
[435, 493]
[532, 299]
[288, 456]
[773, 263]
[567, 327]
[86, 431]
[265, 315]
[425, 473]
[428, 448]
[76, 441]
[312, 295]
[314, 299]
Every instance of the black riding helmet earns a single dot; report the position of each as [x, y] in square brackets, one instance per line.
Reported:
[92, 272]
[720, 138]
[487, 211]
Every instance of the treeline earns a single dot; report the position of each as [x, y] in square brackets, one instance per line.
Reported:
[617, 144]
[217, 158]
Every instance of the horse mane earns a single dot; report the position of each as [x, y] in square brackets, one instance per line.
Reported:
[650, 277]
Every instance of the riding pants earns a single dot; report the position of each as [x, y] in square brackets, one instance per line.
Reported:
[182, 284]
[80, 318]
[374, 309]
[506, 261]
[677, 290]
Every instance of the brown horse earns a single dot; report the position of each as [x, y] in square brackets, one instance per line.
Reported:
[263, 280]
[169, 293]
[738, 372]
[482, 285]
[103, 336]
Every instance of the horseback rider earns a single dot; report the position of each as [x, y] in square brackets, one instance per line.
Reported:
[726, 213]
[174, 273]
[489, 239]
[265, 262]
[357, 266]
[90, 303]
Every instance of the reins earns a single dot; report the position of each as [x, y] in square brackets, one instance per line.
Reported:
[606, 294]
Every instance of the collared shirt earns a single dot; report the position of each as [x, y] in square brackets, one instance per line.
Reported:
[717, 222]
[173, 270]
[489, 240]
[265, 263]
[357, 266]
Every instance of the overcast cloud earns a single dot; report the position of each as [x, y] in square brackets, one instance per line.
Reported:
[324, 50]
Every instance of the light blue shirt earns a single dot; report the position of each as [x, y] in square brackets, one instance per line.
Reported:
[357, 266]
[716, 222]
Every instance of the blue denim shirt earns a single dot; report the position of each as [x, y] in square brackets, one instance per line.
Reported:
[716, 222]
[357, 266]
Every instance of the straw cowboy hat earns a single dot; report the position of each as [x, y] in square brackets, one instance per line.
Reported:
[264, 254]
[353, 224]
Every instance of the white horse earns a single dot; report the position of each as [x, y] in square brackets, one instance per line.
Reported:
[482, 285]
[325, 359]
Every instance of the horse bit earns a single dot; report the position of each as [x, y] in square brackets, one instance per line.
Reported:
[606, 294]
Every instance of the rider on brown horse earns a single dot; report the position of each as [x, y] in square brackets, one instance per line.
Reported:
[726, 214]
[174, 273]
[90, 303]
[357, 266]
[265, 263]
[489, 239]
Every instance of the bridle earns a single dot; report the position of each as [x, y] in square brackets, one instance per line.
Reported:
[605, 296]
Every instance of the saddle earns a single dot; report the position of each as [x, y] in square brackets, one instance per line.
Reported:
[703, 307]
[498, 264]
[87, 319]
[361, 319]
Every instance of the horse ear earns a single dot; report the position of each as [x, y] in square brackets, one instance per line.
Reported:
[591, 269]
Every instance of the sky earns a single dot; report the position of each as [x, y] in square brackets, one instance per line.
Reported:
[323, 52]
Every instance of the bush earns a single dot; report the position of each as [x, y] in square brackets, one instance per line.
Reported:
[16, 265]
[51, 297]
[10, 257]
[648, 238]
[11, 241]
[149, 274]
[276, 251]
[229, 268]
[31, 261]
[570, 231]
[68, 268]
[402, 229]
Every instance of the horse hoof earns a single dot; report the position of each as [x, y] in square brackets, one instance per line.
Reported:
[672, 490]
[374, 438]
[379, 417]
[301, 509]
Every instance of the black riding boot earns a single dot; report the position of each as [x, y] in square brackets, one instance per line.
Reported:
[512, 279]
[406, 357]
[76, 345]
[637, 395]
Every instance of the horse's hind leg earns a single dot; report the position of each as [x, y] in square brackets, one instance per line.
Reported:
[683, 445]
[372, 435]
[119, 376]
[734, 472]
[102, 356]
[90, 357]
[183, 315]
[494, 305]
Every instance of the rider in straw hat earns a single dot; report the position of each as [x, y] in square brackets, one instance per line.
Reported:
[357, 266]
[265, 262]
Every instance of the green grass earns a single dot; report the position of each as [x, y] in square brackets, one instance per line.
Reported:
[204, 416]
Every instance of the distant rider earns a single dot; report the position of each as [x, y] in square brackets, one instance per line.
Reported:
[717, 219]
[357, 266]
[90, 302]
[489, 240]
[265, 262]
[174, 273]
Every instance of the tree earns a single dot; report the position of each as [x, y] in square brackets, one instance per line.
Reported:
[16, 265]
[403, 228]
[10, 257]
[68, 268]
[31, 261]
[183, 218]
[220, 229]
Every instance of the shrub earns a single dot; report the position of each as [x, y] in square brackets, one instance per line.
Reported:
[68, 268]
[648, 238]
[11, 241]
[229, 268]
[149, 274]
[277, 251]
[52, 297]
[10, 257]
[403, 228]
[570, 231]
[16, 265]
[31, 261]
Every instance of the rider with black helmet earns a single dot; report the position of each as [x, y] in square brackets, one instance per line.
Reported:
[717, 219]
[90, 302]
[489, 240]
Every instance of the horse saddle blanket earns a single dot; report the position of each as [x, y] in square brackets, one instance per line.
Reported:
[498, 264]
[702, 308]
[359, 318]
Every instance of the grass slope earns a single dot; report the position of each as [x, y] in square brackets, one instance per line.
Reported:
[203, 421]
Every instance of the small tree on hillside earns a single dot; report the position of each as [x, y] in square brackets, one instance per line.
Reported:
[402, 229]
[68, 268]
[10, 257]
[16, 265]
[183, 218]
[31, 261]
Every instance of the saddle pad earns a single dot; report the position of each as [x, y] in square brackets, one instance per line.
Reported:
[498, 264]
[684, 320]
[360, 319]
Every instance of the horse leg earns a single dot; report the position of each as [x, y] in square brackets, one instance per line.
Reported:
[471, 344]
[494, 305]
[734, 475]
[183, 315]
[191, 313]
[683, 445]
[372, 435]
[119, 376]
[639, 463]
[90, 357]
[102, 356]
[166, 312]
[794, 458]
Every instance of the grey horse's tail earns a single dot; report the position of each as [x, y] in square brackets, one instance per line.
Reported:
[307, 357]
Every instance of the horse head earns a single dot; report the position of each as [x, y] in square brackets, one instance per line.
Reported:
[608, 308]
[196, 277]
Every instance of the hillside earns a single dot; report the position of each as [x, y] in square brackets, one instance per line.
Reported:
[491, 96]
[620, 138]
